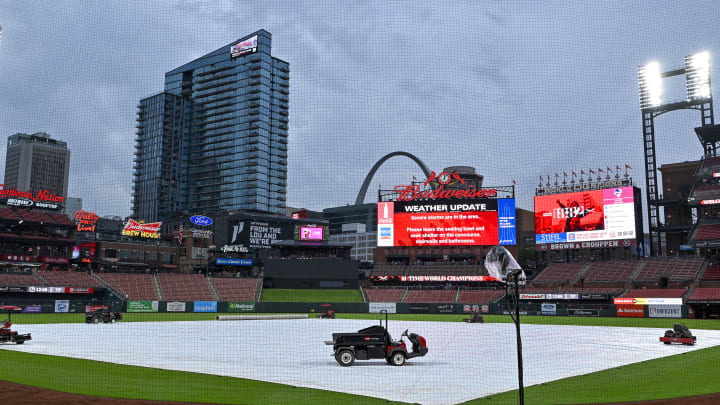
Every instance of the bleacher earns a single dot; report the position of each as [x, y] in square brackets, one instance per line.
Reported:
[655, 293]
[610, 272]
[674, 269]
[705, 295]
[384, 294]
[133, 286]
[712, 273]
[437, 296]
[480, 296]
[235, 289]
[69, 279]
[707, 232]
[184, 287]
[388, 270]
[19, 279]
[557, 273]
[611, 290]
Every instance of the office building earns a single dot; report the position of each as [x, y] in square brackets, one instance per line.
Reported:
[37, 162]
[216, 138]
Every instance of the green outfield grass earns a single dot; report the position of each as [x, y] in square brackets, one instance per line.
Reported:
[683, 375]
[282, 295]
[676, 376]
[96, 378]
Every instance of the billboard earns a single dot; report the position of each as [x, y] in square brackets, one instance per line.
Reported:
[585, 216]
[259, 234]
[310, 232]
[141, 230]
[244, 47]
[452, 222]
[43, 199]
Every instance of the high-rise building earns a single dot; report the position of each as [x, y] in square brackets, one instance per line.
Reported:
[37, 162]
[216, 138]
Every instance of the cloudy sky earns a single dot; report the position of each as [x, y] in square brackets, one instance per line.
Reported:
[515, 89]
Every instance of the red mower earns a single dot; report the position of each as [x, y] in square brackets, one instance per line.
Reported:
[11, 336]
[680, 334]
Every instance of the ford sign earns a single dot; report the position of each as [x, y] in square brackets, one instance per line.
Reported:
[201, 220]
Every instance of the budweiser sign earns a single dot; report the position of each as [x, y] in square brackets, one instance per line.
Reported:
[134, 228]
[415, 192]
[86, 221]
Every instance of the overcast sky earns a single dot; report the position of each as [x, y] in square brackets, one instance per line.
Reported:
[515, 89]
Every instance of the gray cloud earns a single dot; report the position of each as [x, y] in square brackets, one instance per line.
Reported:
[516, 90]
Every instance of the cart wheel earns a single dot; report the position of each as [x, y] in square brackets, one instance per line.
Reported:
[95, 319]
[112, 320]
[397, 359]
[20, 342]
[345, 357]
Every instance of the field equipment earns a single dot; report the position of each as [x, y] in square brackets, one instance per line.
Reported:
[102, 315]
[11, 336]
[679, 334]
[477, 318]
[327, 312]
[375, 342]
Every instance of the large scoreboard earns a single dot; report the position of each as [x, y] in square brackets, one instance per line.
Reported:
[580, 219]
[447, 222]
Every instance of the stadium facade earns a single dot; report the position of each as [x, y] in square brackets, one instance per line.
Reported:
[216, 138]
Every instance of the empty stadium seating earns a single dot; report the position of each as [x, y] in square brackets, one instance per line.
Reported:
[184, 287]
[134, 286]
[444, 270]
[675, 269]
[19, 279]
[712, 273]
[384, 294]
[612, 271]
[235, 289]
[707, 232]
[656, 293]
[69, 278]
[705, 294]
[557, 273]
[480, 296]
[430, 296]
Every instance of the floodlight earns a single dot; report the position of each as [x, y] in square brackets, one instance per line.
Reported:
[697, 76]
[650, 83]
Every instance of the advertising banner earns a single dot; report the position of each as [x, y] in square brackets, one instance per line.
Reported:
[43, 199]
[468, 308]
[259, 234]
[142, 306]
[648, 301]
[136, 229]
[524, 296]
[630, 311]
[205, 306]
[62, 306]
[419, 308]
[86, 221]
[665, 311]
[592, 215]
[583, 312]
[445, 308]
[548, 309]
[32, 309]
[241, 307]
[222, 261]
[177, 306]
[377, 307]
[244, 47]
[93, 308]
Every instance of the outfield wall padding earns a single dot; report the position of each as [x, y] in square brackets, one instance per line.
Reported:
[259, 317]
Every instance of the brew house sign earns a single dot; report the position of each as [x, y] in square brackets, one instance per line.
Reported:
[43, 199]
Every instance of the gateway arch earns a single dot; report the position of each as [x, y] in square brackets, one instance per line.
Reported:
[363, 190]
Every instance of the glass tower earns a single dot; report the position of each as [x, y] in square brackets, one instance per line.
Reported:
[227, 146]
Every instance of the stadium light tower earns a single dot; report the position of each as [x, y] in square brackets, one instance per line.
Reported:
[699, 97]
